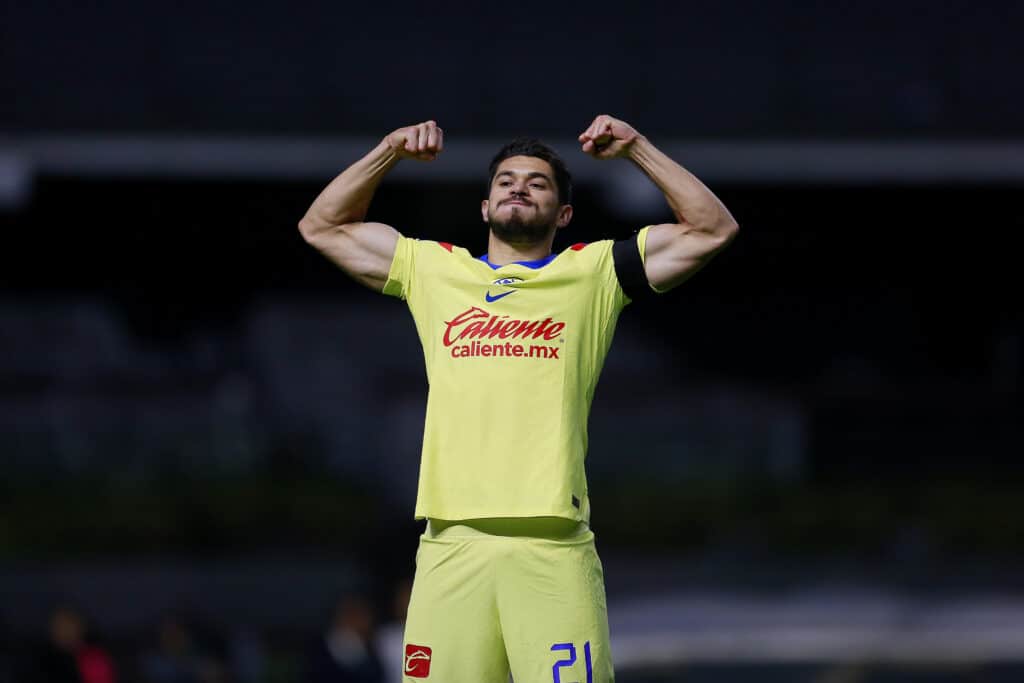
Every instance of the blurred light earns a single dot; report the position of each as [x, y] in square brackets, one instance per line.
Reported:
[632, 196]
[465, 160]
[15, 181]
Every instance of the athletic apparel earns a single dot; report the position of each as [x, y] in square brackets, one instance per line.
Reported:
[490, 597]
[629, 269]
[513, 355]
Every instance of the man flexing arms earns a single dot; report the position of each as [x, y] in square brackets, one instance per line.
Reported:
[507, 575]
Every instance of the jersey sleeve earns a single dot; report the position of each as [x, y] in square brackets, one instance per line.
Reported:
[403, 267]
[641, 244]
[601, 261]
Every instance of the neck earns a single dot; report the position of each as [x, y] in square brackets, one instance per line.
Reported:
[502, 253]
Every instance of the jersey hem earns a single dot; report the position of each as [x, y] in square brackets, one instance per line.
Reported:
[422, 514]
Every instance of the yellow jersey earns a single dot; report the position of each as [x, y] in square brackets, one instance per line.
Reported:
[513, 354]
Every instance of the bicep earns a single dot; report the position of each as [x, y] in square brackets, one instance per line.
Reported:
[363, 250]
[675, 252]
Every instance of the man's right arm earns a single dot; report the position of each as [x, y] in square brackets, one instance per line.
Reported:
[334, 222]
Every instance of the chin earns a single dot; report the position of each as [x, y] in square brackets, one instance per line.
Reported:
[519, 232]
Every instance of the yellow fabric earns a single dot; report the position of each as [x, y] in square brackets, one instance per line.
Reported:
[641, 242]
[485, 605]
[511, 378]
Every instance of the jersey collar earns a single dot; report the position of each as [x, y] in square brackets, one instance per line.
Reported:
[539, 263]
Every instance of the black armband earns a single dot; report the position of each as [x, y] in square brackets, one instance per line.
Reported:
[629, 268]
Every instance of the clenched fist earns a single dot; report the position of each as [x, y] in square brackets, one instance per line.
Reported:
[608, 138]
[423, 141]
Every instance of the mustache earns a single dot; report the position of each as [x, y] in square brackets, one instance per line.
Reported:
[516, 199]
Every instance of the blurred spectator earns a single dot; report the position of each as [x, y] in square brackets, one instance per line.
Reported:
[347, 652]
[176, 659]
[70, 655]
[247, 657]
[392, 634]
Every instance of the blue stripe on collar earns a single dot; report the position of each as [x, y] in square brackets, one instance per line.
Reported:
[539, 263]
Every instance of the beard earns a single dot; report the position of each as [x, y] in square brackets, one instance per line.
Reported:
[517, 230]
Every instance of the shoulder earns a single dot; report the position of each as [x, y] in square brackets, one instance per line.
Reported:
[418, 259]
[588, 251]
[441, 249]
[617, 264]
[589, 259]
[423, 250]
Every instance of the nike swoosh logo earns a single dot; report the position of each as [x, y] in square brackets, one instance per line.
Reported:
[491, 299]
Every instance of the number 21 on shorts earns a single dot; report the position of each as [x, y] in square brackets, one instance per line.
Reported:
[556, 675]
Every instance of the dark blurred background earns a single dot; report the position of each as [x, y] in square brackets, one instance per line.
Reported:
[805, 462]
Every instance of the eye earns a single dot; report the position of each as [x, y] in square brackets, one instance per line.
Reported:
[538, 186]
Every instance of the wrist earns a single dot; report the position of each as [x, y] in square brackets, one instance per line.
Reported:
[386, 155]
[638, 148]
[385, 148]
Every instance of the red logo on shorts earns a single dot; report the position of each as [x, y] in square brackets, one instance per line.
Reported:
[417, 661]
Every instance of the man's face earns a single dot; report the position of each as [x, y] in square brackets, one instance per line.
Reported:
[523, 207]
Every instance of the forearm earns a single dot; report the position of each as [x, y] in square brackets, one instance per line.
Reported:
[693, 204]
[347, 198]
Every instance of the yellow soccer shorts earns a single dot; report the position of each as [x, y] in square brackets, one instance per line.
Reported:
[492, 597]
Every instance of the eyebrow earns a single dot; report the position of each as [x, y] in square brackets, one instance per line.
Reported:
[530, 175]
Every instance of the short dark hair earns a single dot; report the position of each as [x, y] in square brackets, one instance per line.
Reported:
[532, 147]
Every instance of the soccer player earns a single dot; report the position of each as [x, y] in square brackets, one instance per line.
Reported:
[507, 576]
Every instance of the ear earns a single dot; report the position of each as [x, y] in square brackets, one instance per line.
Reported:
[483, 209]
[564, 215]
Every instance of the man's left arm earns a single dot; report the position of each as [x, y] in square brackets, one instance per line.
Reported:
[674, 251]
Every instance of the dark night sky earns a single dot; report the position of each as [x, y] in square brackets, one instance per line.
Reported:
[735, 69]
